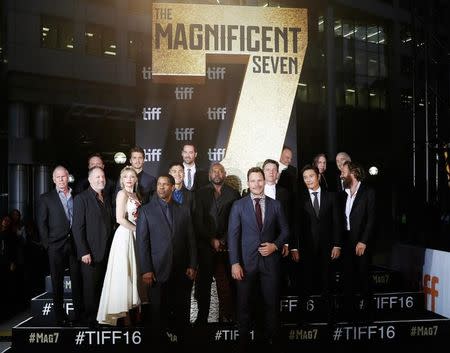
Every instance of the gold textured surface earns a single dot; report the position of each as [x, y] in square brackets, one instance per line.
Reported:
[266, 99]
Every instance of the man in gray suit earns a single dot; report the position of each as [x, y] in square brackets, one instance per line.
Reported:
[168, 257]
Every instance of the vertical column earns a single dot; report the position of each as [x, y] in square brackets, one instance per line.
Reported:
[41, 175]
[331, 84]
[19, 155]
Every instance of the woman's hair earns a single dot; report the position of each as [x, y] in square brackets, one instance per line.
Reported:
[123, 172]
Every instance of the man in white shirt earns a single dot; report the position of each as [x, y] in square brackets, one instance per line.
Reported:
[194, 178]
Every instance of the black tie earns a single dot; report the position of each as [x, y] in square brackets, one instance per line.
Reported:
[258, 212]
[316, 204]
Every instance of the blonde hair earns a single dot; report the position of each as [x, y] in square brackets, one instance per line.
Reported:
[123, 172]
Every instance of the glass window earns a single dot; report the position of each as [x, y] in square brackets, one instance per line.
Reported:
[362, 93]
[381, 36]
[348, 52]
[372, 34]
[321, 24]
[137, 44]
[361, 32]
[57, 33]
[338, 28]
[100, 40]
[302, 92]
[348, 29]
[350, 95]
[360, 58]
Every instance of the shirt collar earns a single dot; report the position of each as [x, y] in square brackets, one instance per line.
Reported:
[62, 192]
[318, 191]
[356, 191]
[262, 197]
[282, 167]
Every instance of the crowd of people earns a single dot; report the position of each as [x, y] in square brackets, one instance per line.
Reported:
[138, 248]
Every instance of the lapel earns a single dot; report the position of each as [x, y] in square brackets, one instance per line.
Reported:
[162, 216]
[59, 206]
[268, 211]
[308, 205]
[359, 195]
[323, 201]
[175, 218]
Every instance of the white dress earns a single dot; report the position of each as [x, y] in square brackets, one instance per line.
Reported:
[122, 285]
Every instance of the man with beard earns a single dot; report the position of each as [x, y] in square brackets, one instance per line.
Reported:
[212, 209]
[358, 201]
[92, 227]
[194, 178]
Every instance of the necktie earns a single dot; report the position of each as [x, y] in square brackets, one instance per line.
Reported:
[316, 203]
[168, 214]
[189, 181]
[258, 213]
[69, 211]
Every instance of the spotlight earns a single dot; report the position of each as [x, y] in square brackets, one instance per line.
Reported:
[120, 158]
[71, 179]
[373, 170]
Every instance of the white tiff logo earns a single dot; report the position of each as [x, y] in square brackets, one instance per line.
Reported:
[183, 93]
[152, 154]
[216, 73]
[184, 133]
[216, 154]
[217, 113]
[151, 113]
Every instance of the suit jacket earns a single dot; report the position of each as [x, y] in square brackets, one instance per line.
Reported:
[201, 178]
[319, 234]
[146, 186]
[161, 247]
[288, 179]
[51, 219]
[207, 225]
[91, 227]
[362, 215]
[109, 190]
[244, 236]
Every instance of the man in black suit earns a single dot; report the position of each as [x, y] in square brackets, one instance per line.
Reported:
[194, 178]
[168, 257]
[319, 236]
[213, 205]
[181, 195]
[341, 158]
[288, 173]
[96, 160]
[54, 222]
[92, 228]
[257, 232]
[358, 201]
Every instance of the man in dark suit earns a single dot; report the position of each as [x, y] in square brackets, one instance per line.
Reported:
[288, 173]
[194, 178]
[168, 257]
[341, 158]
[92, 228]
[358, 201]
[257, 232]
[54, 222]
[96, 160]
[181, 195]
[319, 236]
[213, 205]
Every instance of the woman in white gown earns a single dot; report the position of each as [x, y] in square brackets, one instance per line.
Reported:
[122, 286]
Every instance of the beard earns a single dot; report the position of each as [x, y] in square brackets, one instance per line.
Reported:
[347, 182]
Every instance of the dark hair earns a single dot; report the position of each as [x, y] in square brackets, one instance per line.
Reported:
[96, 154]
[270, 161]
[310, 167]
[173, 164]
[189, 144]
[356, 169]
[137, 149]
[285, 147]
[216, 164]
[316, 158]
[255, 170]
[169, 177]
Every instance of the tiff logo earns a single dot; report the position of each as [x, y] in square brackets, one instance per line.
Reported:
[216, 154]
[184, 133]
[146, 72]
[152, 154]
[183, 92]
[216, 73]
[217, 113]
[151, 113]
[429, 288]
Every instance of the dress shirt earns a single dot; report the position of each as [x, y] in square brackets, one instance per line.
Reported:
[349, 203]
[262, 203]
[271, 191]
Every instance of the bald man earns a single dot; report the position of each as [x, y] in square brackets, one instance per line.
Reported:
[54, 221]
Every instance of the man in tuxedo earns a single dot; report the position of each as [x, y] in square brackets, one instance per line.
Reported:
[96, 160]
[167, 256]
[194, 178]
[213, 205]
[54, 221]
[358, 201]
[92, 228]
[341, 158]
[257, 232]
[319, 236]
[288, 173]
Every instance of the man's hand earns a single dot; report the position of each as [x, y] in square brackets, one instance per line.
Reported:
[335, 252]
[237, 272]
[215, 244]
[148, 278]
[360, 248]
[86, 259]
[285, 250]
[295, 255]
[265, 249]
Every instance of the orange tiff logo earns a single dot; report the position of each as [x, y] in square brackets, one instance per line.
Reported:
[429, 289]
